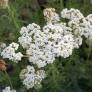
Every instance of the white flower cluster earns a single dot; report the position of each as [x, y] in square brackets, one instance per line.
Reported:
[7, 89]
[9, 52]
[55, 38]
[59, 40]
[80, 25]
[27, 34]
[51, 16]
[44, 44]
[71, 14]
[31, 78]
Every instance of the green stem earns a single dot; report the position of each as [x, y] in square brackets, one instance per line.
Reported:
[7, 76]
[13, 18]
[89, 52]
[61, 4]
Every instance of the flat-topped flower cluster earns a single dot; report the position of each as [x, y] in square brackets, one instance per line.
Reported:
[32, 78]
[54, 39]
[9, 52]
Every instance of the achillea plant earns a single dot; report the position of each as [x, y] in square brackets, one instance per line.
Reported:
[43, 45]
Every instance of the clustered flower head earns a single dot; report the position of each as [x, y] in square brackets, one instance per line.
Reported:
[71, 14]
[51, 16]
[55, 39]
[7, 89]
[32, 78]
[43, 45]
[80, 25]
[9, 52]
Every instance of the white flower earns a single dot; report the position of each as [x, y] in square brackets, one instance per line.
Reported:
[17, 56]
[7, 89]
[89, 18]
[41, 73]
[77, 42]
[9, 52]
[51, 16]
[31, 78]
[25, 41]
[54, 39]
[33, 26]
[43, 45]
[29, 81]
[67, 45]
[71, 14]
[46, 44]
[30, 69]
[27, 33]
[24, 30]
[14, 45]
